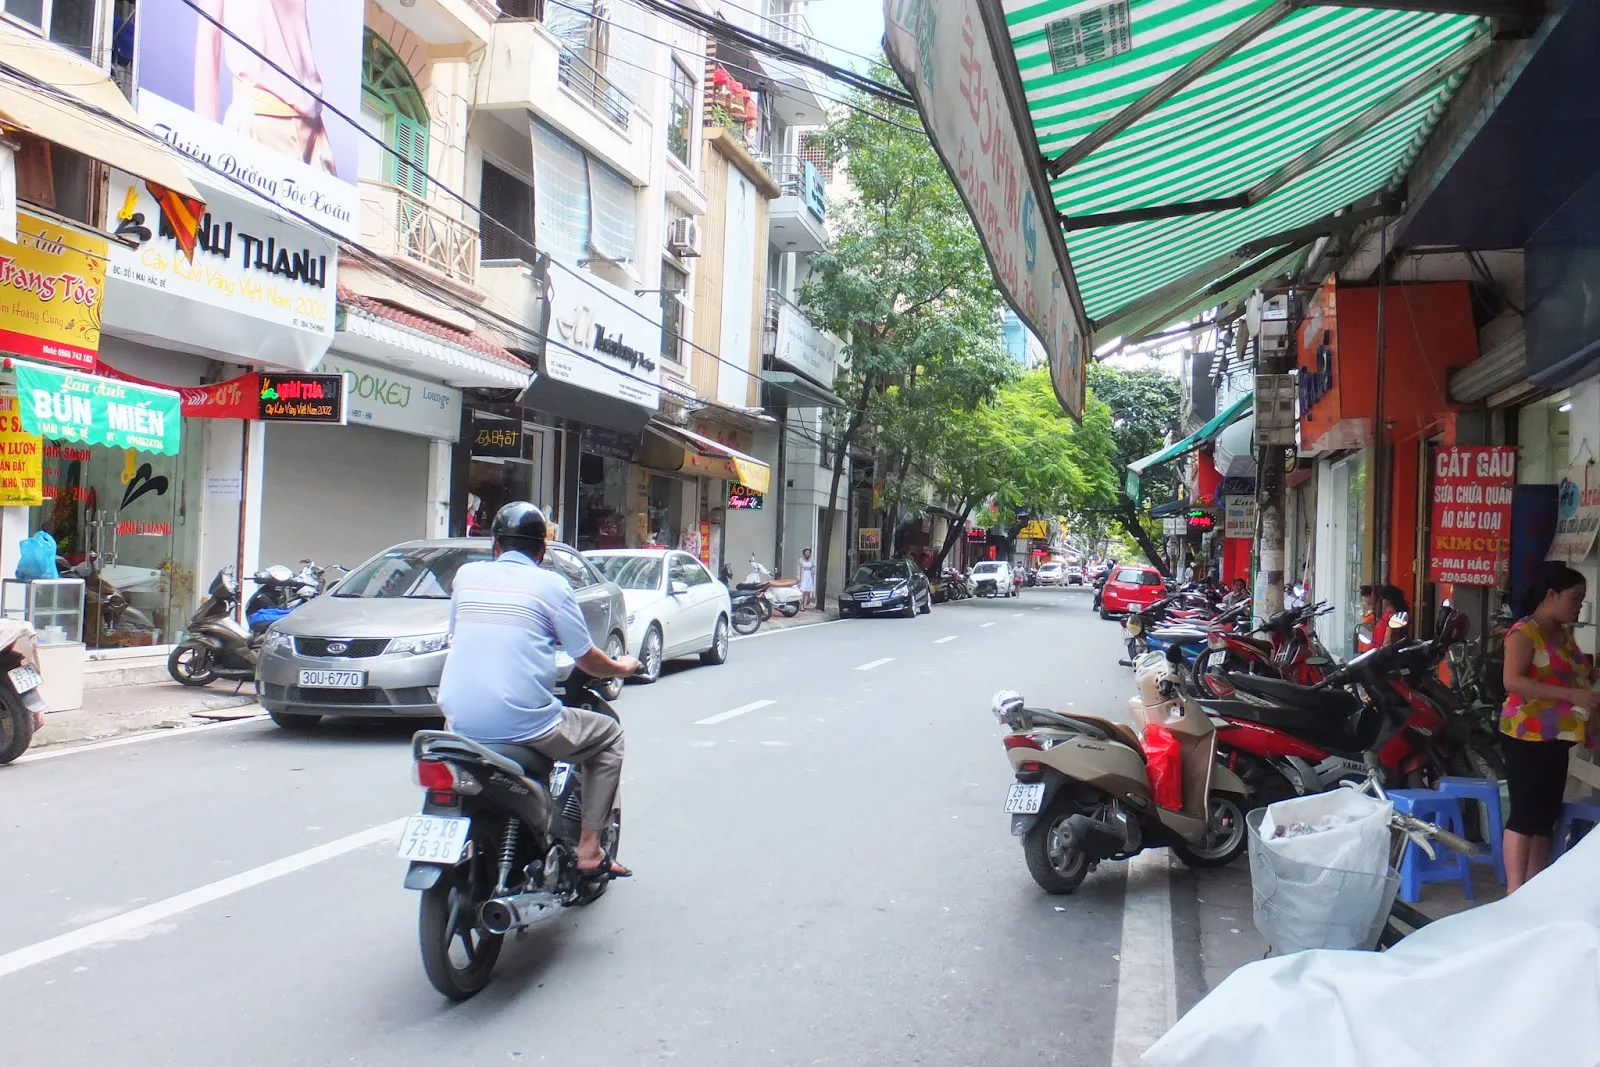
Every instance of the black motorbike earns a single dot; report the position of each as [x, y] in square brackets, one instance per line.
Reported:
[216, 645]
[495, 850]
[750, 610]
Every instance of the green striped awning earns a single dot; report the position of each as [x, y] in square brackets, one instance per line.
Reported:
[1310, 110]
[1185, 145]
[1199, 439]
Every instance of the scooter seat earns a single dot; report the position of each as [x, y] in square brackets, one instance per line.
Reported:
[1106, 730]
[534, 764]
[751, 586]
[1335, 703]
[1179, 635]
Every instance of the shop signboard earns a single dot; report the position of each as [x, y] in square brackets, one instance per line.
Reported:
[21, 458]
[206, 91]
[236, 398]
[1239, 516]
[602, 338]
[260, 287]
[1174, 526]
[1470, 532]
[303, 398]
[52, 289]
[805, 349]
[1201, 521]
[869, 539]
[610, 444]
[496, 438]
[1577, 514]
[391, 401]
[942, 53]
[743, 498]
[87, 409]
[1035, 530]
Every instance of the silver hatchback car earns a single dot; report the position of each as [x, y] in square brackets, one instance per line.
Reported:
[375, 645]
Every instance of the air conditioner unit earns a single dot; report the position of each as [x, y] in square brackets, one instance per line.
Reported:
[683, 237]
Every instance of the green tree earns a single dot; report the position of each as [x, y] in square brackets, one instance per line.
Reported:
[905, 283]
[1144, 408]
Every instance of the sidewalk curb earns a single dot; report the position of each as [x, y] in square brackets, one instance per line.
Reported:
[89, 723]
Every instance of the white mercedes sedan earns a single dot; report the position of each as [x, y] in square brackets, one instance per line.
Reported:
[675, 608]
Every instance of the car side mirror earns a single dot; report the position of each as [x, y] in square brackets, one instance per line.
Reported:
[679, 588]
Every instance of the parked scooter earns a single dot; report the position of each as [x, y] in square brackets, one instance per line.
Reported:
[1084, 791]
[22, 705]
[216, 645]
[779, 594]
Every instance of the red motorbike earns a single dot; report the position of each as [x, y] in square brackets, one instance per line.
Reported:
[1284, 646]
[1286, 739]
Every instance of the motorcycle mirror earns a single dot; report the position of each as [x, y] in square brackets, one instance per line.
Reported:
[1399, 620]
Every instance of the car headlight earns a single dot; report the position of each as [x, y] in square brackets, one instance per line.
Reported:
[276, 641]
[418, 645]
[896, 592]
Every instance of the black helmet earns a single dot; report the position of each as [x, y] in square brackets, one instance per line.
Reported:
[518, 521]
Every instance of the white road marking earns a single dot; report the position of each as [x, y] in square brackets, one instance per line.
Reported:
[945, 640]
[67, 749]
[1018, 614]
[875, 663]
[1147, 994]
[120, 927]
[733, 713]
[985, 625]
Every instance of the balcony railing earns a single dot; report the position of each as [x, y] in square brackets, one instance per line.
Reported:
[422, 233]
[798, 176]
[792, 29]
[594, 88]
[575, 70]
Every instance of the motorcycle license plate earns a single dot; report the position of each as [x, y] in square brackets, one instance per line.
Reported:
[434, 839]
[1025, 798]
[25, 679]
[333, 679]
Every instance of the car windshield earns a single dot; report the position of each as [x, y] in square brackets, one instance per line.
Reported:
[414, 573]
[986, 568]
[1136, 576]
[630, 572]
[880, 572]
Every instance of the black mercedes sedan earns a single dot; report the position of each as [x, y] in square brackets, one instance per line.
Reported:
[896, 585]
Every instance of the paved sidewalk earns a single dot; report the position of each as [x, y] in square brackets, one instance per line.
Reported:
[117, 710]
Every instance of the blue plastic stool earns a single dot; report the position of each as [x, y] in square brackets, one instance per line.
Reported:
[1584, 811]
[1416, 869]
[1485, 791]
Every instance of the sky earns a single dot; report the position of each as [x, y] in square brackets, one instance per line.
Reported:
[850, 25]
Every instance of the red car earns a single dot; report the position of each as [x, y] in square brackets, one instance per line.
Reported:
[1131, 589]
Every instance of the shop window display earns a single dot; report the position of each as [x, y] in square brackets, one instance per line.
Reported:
[602, 503]
[128, 523]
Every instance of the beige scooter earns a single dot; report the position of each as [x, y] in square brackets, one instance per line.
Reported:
[1083, 794]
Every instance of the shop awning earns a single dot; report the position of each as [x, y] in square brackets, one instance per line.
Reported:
[1235, 449]
[1201, 437]
[799, 392]
[370, 329]
[1178, 144]
[1170, 509]
[92, 410]
[53, 95]
[751, 471]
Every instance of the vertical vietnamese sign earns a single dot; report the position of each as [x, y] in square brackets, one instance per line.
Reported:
[21, 458]
[1471, 529]
[1577, 515]
[946, 56]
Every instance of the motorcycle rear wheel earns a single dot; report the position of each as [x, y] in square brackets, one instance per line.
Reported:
[16, 728]
[457, 956]
[190, 664]
[746, 619]
[789, 610]
[1057, 867]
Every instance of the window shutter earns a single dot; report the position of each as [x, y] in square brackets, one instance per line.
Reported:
[411, 142]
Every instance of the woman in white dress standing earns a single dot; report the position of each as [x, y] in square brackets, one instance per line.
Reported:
[808, 579]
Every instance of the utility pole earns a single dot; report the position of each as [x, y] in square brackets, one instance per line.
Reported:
[1271, 460]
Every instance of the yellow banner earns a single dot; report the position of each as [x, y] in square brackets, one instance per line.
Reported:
[52, 287]
[21, 458]
[1036, 531]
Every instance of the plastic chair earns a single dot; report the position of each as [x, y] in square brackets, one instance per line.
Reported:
[1416, 869]
[1485, 791]
[1579, 812]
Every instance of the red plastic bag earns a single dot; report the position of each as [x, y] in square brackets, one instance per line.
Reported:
[1164, 765]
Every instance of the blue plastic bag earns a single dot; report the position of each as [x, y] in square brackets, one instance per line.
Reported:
[38, 558]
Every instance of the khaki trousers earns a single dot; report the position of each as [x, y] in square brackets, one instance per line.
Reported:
[594, 742]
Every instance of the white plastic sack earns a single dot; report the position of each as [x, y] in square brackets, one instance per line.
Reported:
[1358, 841]
[1513, 982]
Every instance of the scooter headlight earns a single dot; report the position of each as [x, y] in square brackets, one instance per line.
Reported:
[1135, 625]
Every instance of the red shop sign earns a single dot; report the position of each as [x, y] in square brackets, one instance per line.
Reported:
[1470, 535]
[236, 398]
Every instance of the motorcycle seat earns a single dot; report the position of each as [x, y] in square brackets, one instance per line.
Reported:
[1107, 730]
[534, 764]
[1322, 703]
[1179, 635]
[752, 586]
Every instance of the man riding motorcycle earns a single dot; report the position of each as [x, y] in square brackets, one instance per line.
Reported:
[507, 616]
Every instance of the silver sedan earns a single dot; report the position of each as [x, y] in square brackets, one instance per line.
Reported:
[376, 644]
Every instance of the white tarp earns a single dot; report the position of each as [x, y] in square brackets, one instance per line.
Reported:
[1513, 982]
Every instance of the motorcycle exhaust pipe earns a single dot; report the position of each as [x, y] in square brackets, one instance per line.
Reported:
[505, 914]
[1094, 838]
